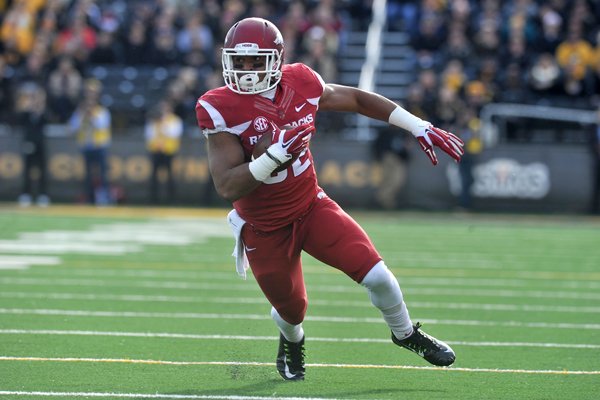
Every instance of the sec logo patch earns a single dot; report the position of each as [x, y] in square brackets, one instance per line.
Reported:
[261, 124]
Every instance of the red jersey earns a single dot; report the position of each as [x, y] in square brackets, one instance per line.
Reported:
[287, 195]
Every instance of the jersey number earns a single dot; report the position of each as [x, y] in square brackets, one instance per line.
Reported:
[298, 167]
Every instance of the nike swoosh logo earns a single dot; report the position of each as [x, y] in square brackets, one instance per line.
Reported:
[286, 144]
[300, 107]
[249, 248]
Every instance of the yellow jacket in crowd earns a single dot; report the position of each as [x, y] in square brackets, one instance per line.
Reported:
[92, 127]
[163, 135]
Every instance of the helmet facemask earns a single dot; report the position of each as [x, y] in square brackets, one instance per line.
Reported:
[256, 81]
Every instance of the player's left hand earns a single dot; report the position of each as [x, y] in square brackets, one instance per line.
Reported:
[430, 136]
[289, 143]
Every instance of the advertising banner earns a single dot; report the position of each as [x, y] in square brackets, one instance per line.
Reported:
[529, 178]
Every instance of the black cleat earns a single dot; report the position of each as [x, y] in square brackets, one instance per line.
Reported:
[290, 359]
[433, 350]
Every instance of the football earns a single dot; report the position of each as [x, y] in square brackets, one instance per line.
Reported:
[261, 147]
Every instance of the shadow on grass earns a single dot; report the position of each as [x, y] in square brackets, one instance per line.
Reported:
[271, 385]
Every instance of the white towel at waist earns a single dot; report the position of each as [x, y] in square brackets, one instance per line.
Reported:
[241, 261]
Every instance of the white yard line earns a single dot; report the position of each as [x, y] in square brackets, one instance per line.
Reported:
[352, 320]
[230, 276]
[185, 285]
[23, 262]
[150, 396]
[273, 338]
[324, 303]
[320, 365]
[63, 247]
[12, 266]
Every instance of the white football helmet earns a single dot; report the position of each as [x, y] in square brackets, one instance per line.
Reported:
[253, 37]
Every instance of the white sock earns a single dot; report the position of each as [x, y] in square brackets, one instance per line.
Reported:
[293, 333]
[385, 294]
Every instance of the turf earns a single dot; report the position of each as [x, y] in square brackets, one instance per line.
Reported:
[150, 306]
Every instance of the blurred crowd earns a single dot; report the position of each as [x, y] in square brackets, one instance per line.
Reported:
[149, 58]
[470, 53]
[58, 44]
[467, 53]
[95, 67]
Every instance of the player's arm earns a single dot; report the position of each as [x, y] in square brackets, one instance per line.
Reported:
[231, 176]
[373, 105]
[346, 98]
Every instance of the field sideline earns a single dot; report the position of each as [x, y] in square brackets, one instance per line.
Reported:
[144, 303]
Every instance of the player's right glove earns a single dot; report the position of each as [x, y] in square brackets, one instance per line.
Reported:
[429, 136]
[289, 143]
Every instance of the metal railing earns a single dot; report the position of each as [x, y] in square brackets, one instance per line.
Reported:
[373, 56]
[490, 130]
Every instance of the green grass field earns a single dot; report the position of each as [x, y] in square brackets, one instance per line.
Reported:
[146, 304]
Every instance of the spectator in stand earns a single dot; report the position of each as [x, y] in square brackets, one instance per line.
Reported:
[575, 53]
[163, 136]
[575, 87]
[595, 72]
[51, 17]
[212, 10]
[551, 30]
[91, 123]
[196, 36]
[163, 48]
[581, 14]
[575, 56]
[30, 111]
[486, 28]
[391, 151]
[519, 20]
[136, 43]
[182, 93]
[544, 78]
[261, 9]
[449, 106]
[453, 76]
[5, 90]
[470, 126]
[415, 103]
[489, 71]
[325, 17]
[429, 81]
[88, 10]
[514, 52]
[428, 40]
[231, 12]
[76, 41]
[477, 95]
[35, 67]
[107, 50]
[18, 27]
[513, 88]
[64, 88]
[294, 24]
[319, 56]
[460, 12]
[457, 46]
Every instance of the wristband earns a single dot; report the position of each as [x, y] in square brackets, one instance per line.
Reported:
[262, 167]
[403, 119]
[272, 157]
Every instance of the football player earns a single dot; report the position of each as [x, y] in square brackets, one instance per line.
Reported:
[277, 215]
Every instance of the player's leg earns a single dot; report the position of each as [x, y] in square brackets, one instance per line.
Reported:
[386, 295]
[276, 265]
[337, 240]
[333, 237]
